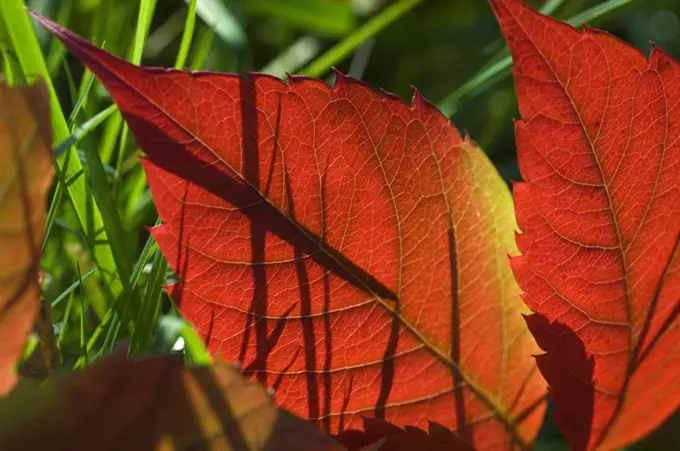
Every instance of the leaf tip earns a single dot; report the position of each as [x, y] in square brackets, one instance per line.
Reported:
[339, 78]
[418, 101]
[44, 21]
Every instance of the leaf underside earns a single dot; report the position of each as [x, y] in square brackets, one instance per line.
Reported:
[599, 212]
[349, 250]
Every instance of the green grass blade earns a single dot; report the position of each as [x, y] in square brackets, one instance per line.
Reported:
[88, 79]
[499, 70]
[151, 306]
[71, 83]
[111, 336]
[81, 131]
[10, 66]
[205, 40]
[82, 311]
[73, 286]
[225, 26]
[294, 57]
[600, 12]
[105, 323]
[550, 6]
[57, 51]
[345, 47]
[484, 78]
[146, 10]
[27, 49]
[322, 17]
[77, 134]
[196, 352]
[65, 321]
[187, 36]
[113, 225]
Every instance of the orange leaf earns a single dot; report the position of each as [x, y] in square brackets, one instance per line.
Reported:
[152, 404]
[25, 177]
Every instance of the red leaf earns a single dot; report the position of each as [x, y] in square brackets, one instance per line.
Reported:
[348, 249]
[600, 215]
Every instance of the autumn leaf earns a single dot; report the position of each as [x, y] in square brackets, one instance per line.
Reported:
[348, 249]
[152, 404]
[25, 178]
[600, 214]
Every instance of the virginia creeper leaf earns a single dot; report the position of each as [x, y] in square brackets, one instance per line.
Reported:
[348, 249]
[599, 150]
[25, 178]
[152, 404]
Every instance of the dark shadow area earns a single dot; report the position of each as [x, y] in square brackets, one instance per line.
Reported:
[251, 172]
[345, 402]
[306, 322]
[279, 377]
[387, 365]
[266, 344]
[457, 382]
[568, 370]
[327, 363]
[641, 353]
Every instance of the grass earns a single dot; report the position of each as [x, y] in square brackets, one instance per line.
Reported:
[106, 275]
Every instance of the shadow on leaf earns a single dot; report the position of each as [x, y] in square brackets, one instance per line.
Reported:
[569, 372]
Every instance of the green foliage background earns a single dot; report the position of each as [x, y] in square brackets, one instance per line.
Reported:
[106, 292]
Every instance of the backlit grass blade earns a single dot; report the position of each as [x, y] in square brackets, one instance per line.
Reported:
[344, 48]
[187, 36]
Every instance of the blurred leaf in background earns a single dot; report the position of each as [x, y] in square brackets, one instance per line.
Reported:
[25, 178]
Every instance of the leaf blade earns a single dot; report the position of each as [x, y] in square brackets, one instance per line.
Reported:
[372, 300]
[598, 151]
